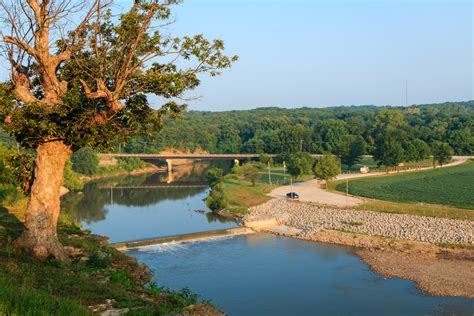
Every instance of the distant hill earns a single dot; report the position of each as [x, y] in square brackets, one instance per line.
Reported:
[281, 130]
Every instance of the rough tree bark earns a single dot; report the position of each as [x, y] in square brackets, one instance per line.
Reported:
[39, 236]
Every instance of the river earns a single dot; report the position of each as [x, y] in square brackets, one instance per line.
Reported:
[255, 274]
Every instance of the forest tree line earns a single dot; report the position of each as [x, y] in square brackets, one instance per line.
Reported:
[318, 130]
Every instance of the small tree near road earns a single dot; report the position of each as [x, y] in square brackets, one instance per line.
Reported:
[442, 153]
[299, 164]
[326, 168]
[422, 151]
[389, 153]
[351, 150]
[250, 173]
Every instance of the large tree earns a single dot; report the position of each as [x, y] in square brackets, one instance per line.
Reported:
[326, 168]
[389, 153]
[351, 149]
[442, 153]
[87, 85]
[299, 164]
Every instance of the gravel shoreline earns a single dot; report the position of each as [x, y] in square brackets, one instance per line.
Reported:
[313, 217]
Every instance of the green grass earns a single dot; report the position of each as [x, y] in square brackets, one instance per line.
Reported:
[279, 176]
[372, 164]
[242, 194]
[122, 166]
[421, 209]
[452, 186]
[33, 287]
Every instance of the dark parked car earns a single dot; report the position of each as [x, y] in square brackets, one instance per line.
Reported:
[292, 195]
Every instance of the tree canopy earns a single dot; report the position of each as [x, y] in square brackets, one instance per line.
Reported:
[327, 167]
[315, 130]
[87, 84]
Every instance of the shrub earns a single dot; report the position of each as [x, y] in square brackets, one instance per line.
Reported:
[71, 180]
[217, 200]
[130, 164]
[85, 161]
[214, 176]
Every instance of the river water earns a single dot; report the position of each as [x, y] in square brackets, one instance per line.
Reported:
[255, 274]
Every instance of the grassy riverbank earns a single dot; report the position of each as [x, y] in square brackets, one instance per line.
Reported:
[99, 278]
[443, 192]
[242, 194]
[127, 166]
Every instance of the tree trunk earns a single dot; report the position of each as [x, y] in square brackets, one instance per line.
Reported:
[39, 236]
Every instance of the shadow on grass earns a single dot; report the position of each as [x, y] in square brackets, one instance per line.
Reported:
[10, 226]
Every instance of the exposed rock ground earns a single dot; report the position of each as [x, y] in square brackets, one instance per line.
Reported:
[313, 217]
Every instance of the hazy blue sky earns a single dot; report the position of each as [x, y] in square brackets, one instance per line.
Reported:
[335, 52]
[317, 53]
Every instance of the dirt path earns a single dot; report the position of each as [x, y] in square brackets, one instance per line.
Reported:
[311, 191]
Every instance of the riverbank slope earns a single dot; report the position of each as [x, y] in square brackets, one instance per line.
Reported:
[100, 279]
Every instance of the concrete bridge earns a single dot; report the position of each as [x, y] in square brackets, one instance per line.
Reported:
[236, 157]
[185, 156]
[170, 157]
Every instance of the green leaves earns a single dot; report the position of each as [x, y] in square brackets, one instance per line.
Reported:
[327, 167]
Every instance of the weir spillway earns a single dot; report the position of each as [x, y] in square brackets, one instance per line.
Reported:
[180, 238]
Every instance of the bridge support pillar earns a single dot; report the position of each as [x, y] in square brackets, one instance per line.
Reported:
[170, 171]
[170, 165]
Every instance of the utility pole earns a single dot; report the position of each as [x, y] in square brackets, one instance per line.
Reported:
[406, 93]
[269, 176]
[347, 192]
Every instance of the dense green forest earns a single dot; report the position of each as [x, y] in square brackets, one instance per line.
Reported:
[317, 130]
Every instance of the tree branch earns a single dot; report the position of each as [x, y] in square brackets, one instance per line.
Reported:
[20, 44]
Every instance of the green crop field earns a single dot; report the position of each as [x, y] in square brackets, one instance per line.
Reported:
[453, 186]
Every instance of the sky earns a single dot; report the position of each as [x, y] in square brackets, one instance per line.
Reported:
[318, 53]
[297, 53]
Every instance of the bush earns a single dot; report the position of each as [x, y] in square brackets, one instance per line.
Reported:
[71, 180]
[17, 169]
[214, 176]
[85, 161]
[130, 164]
[217, 200]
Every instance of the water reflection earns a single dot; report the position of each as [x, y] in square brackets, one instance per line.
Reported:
[143, 206]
